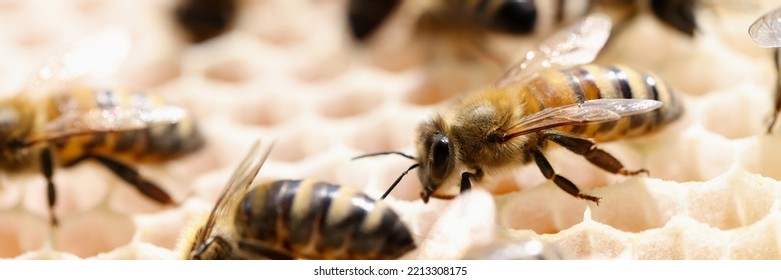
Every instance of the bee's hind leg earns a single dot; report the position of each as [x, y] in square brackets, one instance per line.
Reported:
[131, 176]
[47, 167]
[561, 182]
[596, 156]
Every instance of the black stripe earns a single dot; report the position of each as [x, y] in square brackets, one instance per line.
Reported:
[586, 78]
[607, 126]
[326, 194]
[623, 84]
[578, 129]
[126, 140]
[650, 82]
[258, 214]
[575, 84]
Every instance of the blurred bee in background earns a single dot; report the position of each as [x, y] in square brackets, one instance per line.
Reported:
[205, 19]
[516, 17]
[538, 100]
[766, 33]
[60, 120]
[290, 219]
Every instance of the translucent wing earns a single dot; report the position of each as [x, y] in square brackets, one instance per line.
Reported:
[577, 44]
[591, 111]
[100, 120]
[766, 31]
[97, 55]
[237, 186]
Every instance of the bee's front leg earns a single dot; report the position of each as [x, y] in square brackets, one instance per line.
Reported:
[589, 150]
[47, 167]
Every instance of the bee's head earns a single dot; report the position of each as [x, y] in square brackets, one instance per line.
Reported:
[435, 156]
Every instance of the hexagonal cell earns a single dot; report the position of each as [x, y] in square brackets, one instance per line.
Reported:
[77, 189]
[592, 240]
[760, 241]
[380, 135]
[230, 70]
[637, 205]
[297, 145]
[733, 200]
[94, 232]
[265, 110]
[718, 112]
[757, 155]
[349, 104]
[681, 239]
[21, 232]
[542, 209]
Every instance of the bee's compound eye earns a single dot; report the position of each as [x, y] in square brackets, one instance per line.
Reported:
[440, 151]
[515, 16]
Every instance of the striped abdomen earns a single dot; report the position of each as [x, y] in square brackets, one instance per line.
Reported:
[156, 142]
[317, 220]
[559, 87]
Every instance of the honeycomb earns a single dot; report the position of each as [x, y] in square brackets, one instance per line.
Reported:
[288, 71]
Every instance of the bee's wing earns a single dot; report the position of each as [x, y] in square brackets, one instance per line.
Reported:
[96, 55]
[237, 186]
[100, 120]
[766, 31]
[577, 44]
[591, 111]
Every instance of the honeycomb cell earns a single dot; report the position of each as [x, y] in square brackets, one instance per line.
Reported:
[21, 232]
[635, 206]
[544, 209]
[267, 110]
[718, 115]
[681, 239]
[93, 232]
[591, 240]
[349, 104]
[379, 135]
[760, 241]
[297, 145]
[230, 71]
[733, 200]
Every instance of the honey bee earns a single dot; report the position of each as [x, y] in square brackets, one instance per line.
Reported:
[290, 219]
[205, 19]
[766, 33]
[60, 121]
[539, 99]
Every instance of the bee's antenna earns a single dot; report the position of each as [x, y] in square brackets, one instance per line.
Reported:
[386, 153]
[398, 179]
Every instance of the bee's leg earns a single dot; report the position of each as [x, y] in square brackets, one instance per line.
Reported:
[130, 175]
[260, 250]
[596, 156]
[563, 183]
[774, 115]
[47, 167]
[466, 185]
[466, 177]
